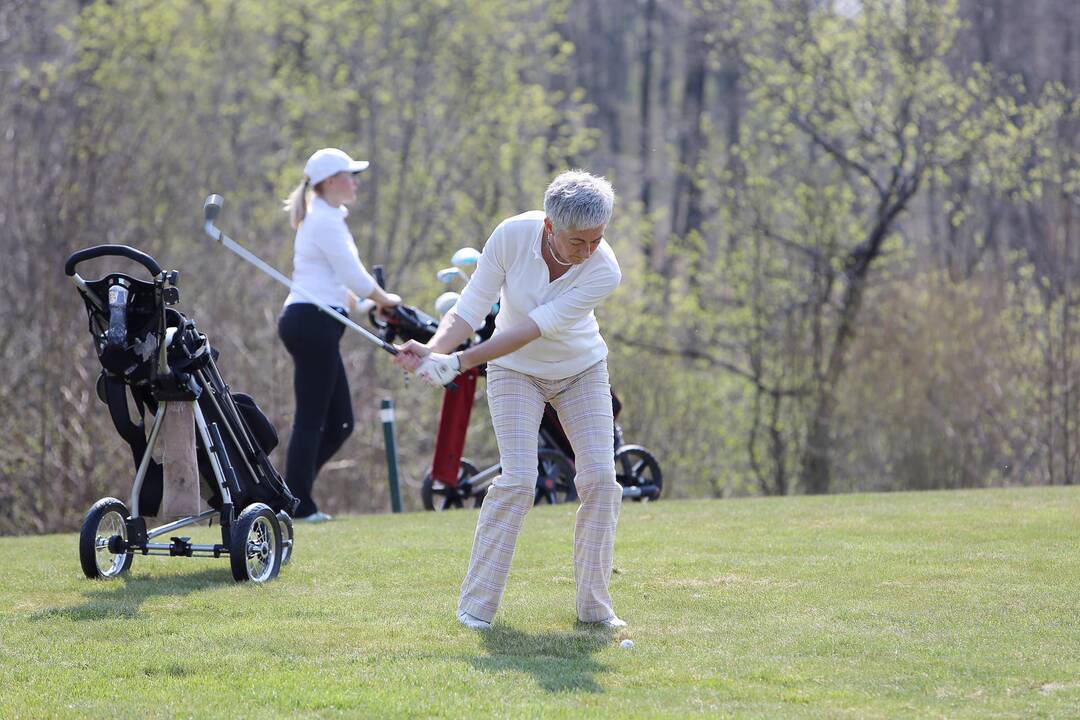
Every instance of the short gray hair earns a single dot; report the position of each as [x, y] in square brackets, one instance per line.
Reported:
[578, 200]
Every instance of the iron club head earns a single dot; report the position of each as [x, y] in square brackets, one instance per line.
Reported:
[212, 207]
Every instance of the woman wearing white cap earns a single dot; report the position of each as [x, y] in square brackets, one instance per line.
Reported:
[327, 268]
[549, 269]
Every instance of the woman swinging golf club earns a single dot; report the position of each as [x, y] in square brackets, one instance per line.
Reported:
[549, 270]
[326, 268]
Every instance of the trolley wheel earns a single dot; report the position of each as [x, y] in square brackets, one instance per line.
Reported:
[287, 537]
[106, 519]
[255, 546]
[554, 477]
[436, 496]
[635, 467]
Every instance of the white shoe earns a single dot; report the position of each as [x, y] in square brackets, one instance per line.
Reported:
[472, 622]
[315, 517]
[612, 623]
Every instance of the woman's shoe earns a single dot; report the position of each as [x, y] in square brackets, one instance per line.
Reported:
[472, 622]
[315, 517]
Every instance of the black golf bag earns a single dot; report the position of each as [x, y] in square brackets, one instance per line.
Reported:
[153, 355]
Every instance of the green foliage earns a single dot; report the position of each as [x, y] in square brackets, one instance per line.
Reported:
[849, 116]
[849, 220]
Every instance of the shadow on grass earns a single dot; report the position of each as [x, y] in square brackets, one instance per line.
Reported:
[122, 597]
[559, 660]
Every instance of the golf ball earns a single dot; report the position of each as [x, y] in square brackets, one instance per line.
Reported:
[626, 644]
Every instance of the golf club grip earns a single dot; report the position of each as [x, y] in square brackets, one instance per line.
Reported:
[394, 351]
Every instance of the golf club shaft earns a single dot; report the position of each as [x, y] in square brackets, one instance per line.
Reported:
[215, 233]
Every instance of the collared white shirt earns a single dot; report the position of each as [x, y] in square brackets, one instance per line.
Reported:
[326, 262]
[512, 269]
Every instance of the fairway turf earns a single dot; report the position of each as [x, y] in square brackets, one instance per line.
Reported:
[941, 604]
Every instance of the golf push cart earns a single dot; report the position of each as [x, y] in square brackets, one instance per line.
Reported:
[156, 355]
[453, 480]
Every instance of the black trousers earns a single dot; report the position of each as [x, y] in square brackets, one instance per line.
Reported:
[324, 416]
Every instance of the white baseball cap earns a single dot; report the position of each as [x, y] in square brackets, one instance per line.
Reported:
[330, 161]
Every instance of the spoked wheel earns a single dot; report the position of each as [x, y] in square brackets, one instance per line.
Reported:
[635, 467]
[105, 520]
[436, 496]
[554, 477]
[286, 524]
[255, 549]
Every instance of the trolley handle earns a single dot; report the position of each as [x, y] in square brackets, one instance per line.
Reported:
[115, 250]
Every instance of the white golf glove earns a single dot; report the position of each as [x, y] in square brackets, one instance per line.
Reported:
[438, 369]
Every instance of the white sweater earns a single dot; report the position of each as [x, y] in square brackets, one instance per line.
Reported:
[512, 269]
[325, 260]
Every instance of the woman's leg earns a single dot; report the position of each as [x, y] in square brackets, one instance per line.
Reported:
[339, 419]
[313, 343]
[516, 404]
[584, 409]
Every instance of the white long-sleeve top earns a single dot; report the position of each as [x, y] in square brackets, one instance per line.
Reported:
[326, 262]
[512, 269]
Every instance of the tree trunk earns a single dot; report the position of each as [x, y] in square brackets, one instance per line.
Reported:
[645, 112]
[816, 468]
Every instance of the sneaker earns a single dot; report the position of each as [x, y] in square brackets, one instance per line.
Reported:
[612, 623]
[472, 622]
[315, 517]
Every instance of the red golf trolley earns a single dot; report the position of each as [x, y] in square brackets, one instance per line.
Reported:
[453, 480]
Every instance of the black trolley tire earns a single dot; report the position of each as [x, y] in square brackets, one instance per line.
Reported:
[238, 543]
[429, 496]
[635, 480]
[287, 534]
[564, 490]
[88, 538]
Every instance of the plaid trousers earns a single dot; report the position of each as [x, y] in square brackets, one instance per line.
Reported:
[583, 403]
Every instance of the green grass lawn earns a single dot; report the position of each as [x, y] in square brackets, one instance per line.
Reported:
[958, 604]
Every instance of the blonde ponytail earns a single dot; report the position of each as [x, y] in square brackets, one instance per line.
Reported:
[296, 204]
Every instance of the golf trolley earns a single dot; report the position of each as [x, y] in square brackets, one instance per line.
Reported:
[453, 480]
[157, 356]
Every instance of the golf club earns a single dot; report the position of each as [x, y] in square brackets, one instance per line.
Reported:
[444, 302]
[211, 210]
[447, 275]
[465, 257]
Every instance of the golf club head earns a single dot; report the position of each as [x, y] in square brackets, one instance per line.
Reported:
[466, 257]
[447, 275]
[212, 207]
[444, 302]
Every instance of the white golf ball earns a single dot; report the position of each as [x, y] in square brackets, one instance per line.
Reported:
[626, 644]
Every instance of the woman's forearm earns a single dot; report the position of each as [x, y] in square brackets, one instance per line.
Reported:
[502, 343]
[452, 332]
[381, 297]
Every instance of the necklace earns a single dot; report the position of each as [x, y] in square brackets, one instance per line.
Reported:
[554, 255]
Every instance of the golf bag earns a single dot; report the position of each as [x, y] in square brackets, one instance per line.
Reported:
[152, 356]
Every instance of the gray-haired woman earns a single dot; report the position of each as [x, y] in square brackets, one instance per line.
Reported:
[549, 270]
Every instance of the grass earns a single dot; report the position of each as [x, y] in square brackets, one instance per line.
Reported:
[959, 604]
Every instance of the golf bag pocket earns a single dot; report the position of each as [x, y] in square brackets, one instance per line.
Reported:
[257, 422]
[180, 495]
